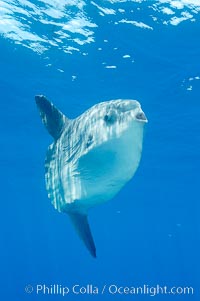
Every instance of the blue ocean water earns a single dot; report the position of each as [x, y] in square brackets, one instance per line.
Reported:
[79, 53]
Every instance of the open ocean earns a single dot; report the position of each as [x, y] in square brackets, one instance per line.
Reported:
[79, 53]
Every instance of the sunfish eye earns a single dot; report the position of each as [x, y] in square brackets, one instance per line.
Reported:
[110, 118]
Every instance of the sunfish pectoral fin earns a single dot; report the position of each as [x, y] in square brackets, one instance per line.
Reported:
[53, 119]
[82, 227]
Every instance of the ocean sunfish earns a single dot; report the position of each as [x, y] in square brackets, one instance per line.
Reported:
[92, 157]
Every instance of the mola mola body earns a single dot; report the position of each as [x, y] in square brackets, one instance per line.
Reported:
[92, 157]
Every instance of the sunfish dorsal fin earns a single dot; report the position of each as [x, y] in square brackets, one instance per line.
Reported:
[82, 227]
[53, 119]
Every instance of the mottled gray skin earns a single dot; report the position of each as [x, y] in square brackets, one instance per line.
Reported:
[92, 157]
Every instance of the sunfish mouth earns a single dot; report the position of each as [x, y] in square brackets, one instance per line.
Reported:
[140, 116]
[131, 105]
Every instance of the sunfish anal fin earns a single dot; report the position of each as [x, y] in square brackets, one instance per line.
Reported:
[52, 118]
[82, 227]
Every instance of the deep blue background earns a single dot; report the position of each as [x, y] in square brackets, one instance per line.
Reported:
[150, 233]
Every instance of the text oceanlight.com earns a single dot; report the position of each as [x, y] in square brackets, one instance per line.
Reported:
[111, 289]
